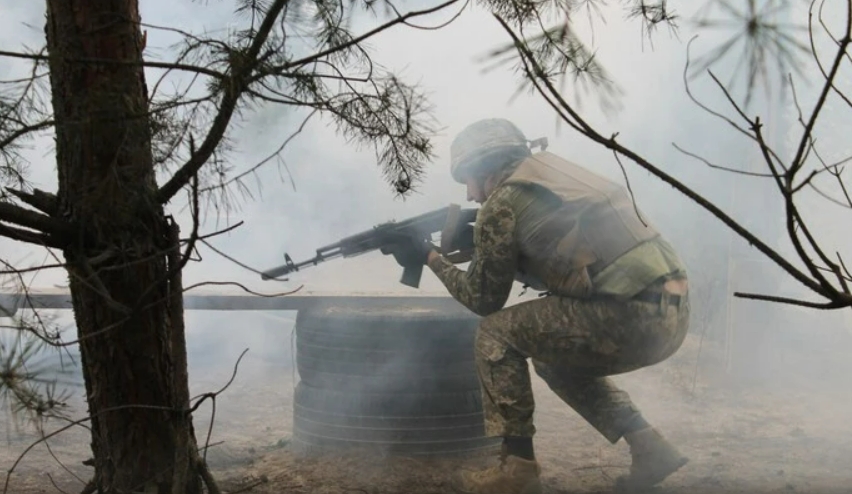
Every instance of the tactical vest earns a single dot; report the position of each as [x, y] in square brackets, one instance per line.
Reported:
[595, 224]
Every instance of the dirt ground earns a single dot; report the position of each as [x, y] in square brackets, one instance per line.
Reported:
[789, 436]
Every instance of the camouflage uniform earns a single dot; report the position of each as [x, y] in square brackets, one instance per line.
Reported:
[574, 339]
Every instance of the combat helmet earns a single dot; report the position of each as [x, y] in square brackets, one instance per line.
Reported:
[486, 145]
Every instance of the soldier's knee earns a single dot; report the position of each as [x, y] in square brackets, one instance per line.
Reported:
[490, 345]
[487, 326]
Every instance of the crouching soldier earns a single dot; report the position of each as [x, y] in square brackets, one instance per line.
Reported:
[616, 301]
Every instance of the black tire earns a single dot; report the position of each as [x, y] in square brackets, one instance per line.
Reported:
[387, 350]
[410, 424]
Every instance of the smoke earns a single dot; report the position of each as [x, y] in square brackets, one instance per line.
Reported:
[744, 360]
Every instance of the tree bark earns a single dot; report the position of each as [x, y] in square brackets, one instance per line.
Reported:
[126, 298]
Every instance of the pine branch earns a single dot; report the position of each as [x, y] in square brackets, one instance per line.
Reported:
[235, 85]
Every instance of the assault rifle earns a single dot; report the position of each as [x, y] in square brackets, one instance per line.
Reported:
[453, 222]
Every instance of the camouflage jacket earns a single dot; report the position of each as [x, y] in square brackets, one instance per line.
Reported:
[500, 236]
[485, 286]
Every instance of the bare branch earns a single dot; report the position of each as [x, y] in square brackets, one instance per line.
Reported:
[34, 268]
[835, 170]
[266, 160]
[794, 301]
[24, 130]
[243, 288]
[28, 236]
[103, 61]
[629, 188]
[815, 55]
[235, 261]
[828, 86]
[720, 167]
[829, 198]
[43, 201]
[743, 131]
[11, 213]
[568, 114]
[400, 19]
[193, 237]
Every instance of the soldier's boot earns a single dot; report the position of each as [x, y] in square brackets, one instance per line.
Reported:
[514, 475]
[653, 459]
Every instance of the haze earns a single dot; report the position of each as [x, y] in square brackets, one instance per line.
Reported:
[331, 189]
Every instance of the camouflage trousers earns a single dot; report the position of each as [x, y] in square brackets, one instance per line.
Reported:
[574, 344]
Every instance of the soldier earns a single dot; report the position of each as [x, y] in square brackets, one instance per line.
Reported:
[616, 301]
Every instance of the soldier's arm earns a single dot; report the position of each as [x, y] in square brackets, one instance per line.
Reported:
[485, 286]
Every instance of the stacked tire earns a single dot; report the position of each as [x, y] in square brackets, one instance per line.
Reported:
[388, 380]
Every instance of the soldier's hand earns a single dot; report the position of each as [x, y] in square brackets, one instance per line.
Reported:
[409, 251]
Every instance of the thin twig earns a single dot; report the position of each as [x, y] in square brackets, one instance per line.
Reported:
[720, 167]
[629, 188]
[235, 261]
[833, 304]
[265, 160]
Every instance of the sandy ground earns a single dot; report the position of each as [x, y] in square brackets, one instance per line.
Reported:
[790, 436]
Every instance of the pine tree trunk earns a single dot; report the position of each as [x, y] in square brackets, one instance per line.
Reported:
[125, 292]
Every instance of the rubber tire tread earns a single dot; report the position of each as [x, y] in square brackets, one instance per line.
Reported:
[398, 378]
[418, 424]
[392, 330]
[389, 350]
